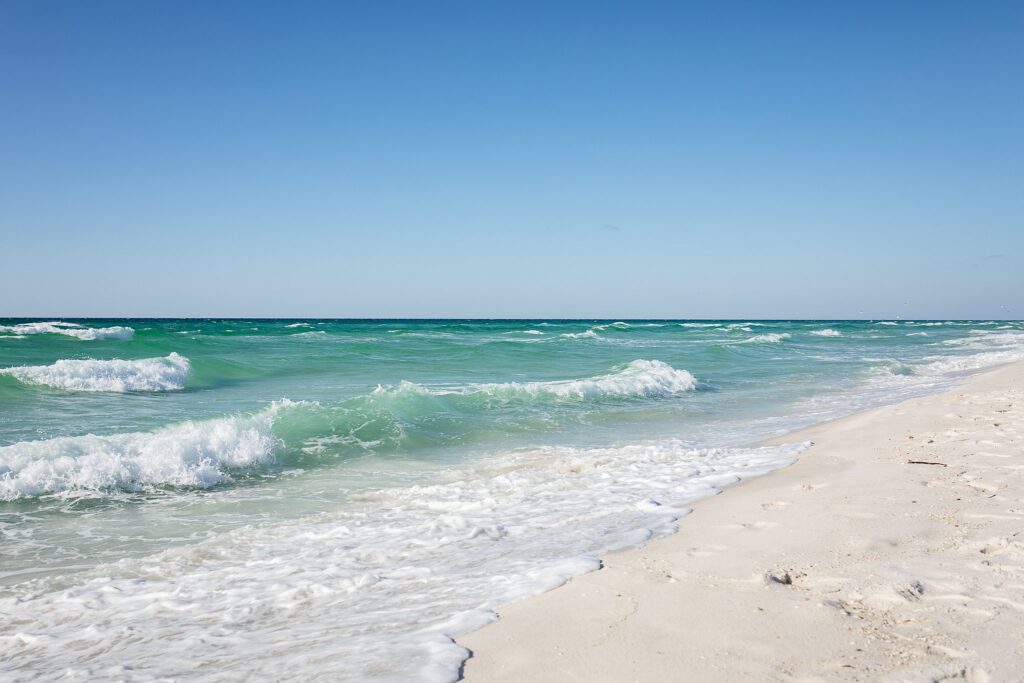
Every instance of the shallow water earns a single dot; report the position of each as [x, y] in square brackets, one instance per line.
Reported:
[302, 498]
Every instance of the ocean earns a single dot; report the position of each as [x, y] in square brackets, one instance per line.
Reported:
[338, 499]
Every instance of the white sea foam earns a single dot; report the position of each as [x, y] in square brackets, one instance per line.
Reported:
[987, 339]
[190, 454]
[589, 334]
[639, 378]
[70, 330]
[887, 322]
[770, 338]
[917, 334]
[649, 378]
[375, 591]
[298, 325]
[147, 374]
[990, 350]
[944, 365]
[827, 333]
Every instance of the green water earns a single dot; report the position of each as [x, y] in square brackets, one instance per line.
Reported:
[186, 452]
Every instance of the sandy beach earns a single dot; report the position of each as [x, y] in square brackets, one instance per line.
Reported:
[892, 550]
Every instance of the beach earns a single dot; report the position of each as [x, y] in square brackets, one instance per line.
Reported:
[893, 549]
[345, 499]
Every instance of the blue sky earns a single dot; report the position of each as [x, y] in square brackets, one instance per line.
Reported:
[488, 159]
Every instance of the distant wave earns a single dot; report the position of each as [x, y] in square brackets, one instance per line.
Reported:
[70, 330]
[589, 334]
[189, 454]
[639, 378]
[770, 338]
[148, 374]
[827, 333]
[986, 339]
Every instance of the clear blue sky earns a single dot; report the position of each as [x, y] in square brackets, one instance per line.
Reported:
[512, 159]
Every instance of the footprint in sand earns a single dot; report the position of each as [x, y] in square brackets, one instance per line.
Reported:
[754, 526]
[705, 551]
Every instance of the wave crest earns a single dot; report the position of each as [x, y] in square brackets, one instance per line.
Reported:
[147, 374]
[639, 378]
[189, 454]
[770, 338]
[589, 334]
[70, 330]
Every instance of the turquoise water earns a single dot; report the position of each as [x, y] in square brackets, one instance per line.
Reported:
[289, 498]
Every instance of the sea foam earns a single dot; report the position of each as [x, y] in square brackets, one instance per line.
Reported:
[640, 378]
[70, 330]
[189, 454]
[827, 333]
[770, 338]
[396, 576]
[147, 374]
[589, 334]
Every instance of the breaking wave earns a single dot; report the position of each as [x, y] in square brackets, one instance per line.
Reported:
[147, 374]
[70, 330]
[640, 378]
[196, 454]
[770, 338]
[589, 334]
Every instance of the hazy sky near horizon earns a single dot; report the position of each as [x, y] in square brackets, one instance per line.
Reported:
[531, 159]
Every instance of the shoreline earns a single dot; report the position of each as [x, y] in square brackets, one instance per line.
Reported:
[894, 545]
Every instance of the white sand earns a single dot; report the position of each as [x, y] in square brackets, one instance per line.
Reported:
[883, 570]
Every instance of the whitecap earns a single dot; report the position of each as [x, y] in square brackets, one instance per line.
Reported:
[147, 374]
[70, 330]
[648, 378]
[770, 338]
[589, 334]
[827, 333]
[195, 454]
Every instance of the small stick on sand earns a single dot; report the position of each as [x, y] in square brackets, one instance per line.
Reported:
[925, 462]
